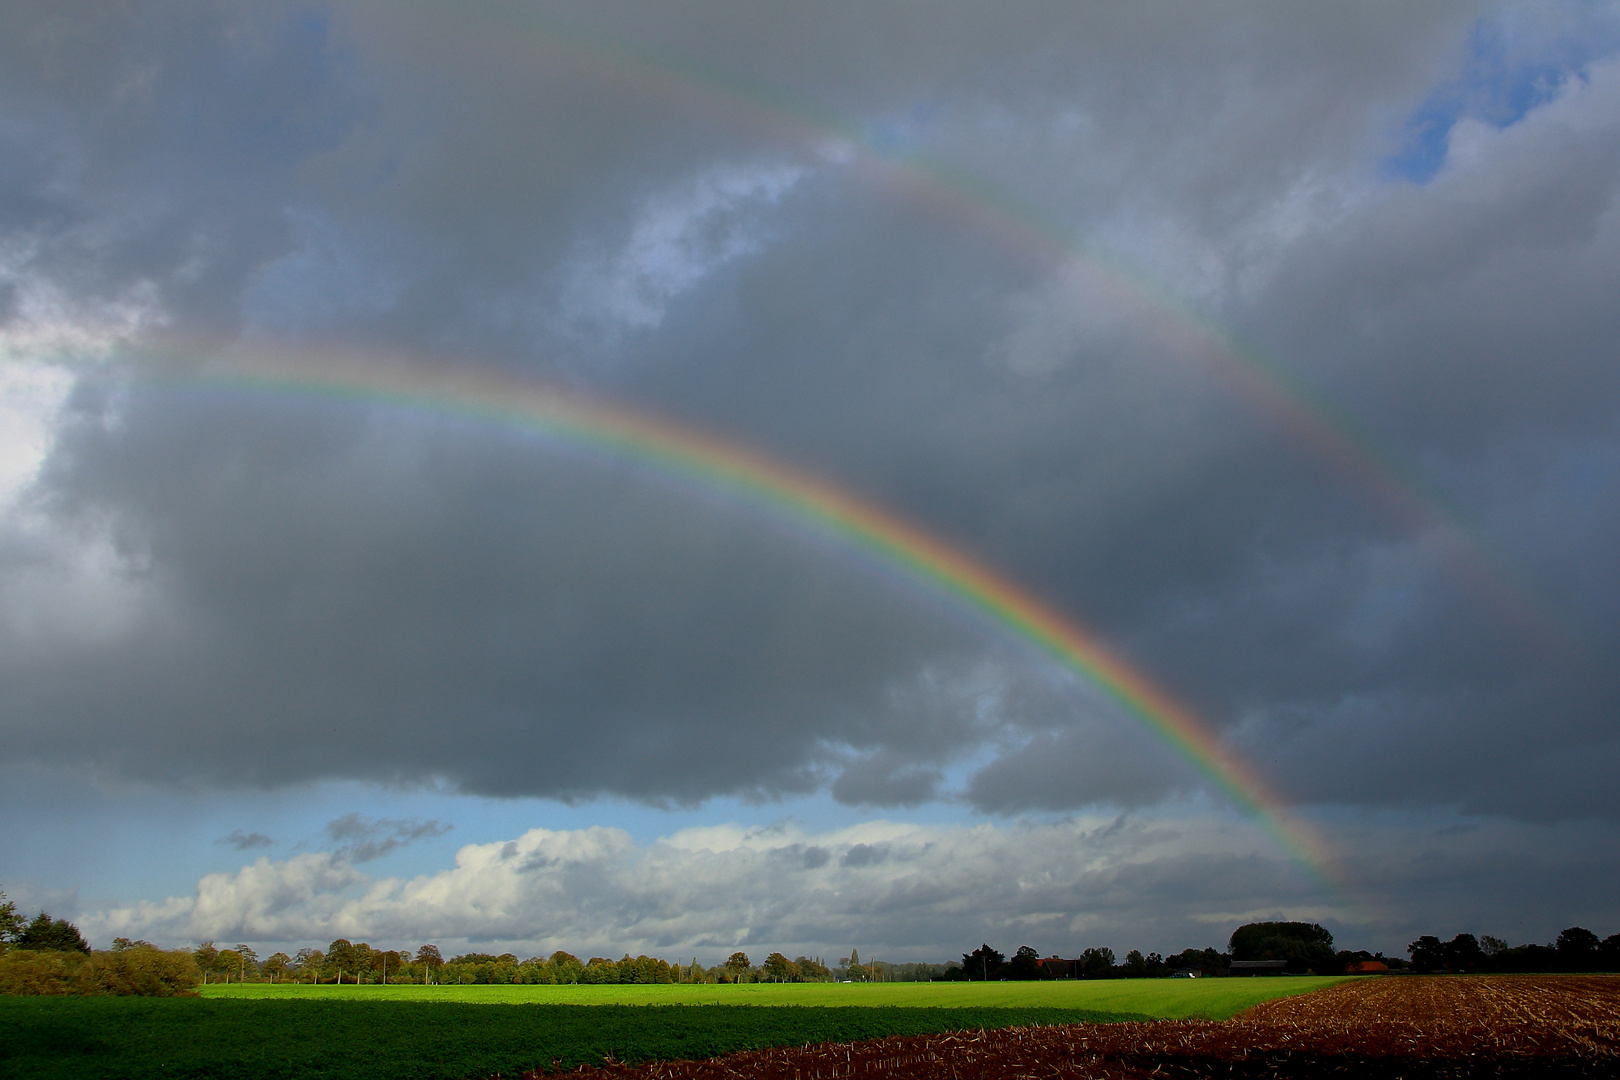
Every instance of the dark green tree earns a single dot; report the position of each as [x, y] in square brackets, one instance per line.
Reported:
[812, 970]
[1025, 966]
[1577, 949]
[1609, 953]
[1427, 953]
[245, 958]
[982, 964]
[566, 966]
[44, 934]
[1305, 946]
[1462, 953]
[1097, 963]
[341, 957]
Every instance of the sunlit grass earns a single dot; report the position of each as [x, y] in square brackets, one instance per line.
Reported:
[1213, 999]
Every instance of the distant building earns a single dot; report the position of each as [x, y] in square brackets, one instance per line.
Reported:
[1257, 967]
[1059, 968]
[1365, 967]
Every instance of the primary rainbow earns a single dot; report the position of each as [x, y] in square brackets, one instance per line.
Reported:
[784, 493]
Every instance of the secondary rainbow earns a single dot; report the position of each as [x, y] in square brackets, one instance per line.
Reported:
[782, 492]
[1018, 227]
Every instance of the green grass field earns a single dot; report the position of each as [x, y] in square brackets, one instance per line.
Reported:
[1211, 999]
[459, 1033]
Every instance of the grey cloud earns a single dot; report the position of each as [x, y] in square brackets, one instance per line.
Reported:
[226, 589]
[875, 782]
[1055, 771]
[362, 839]
[860, 855]
[242, 841]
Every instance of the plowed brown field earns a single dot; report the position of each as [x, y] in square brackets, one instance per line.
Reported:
[1436, 1026]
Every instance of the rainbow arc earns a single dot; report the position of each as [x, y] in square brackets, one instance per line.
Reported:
[805, 503]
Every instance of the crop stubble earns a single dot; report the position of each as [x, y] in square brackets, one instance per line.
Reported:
[1437, 1026]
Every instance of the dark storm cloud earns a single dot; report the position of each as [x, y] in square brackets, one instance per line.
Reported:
[223, 588]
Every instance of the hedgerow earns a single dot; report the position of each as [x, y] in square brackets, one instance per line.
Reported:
[144, 972]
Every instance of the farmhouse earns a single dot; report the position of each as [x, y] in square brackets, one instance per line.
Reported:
[1365, 967]
[1059, 968]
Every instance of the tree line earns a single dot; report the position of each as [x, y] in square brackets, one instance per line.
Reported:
[46, 955]
[358, 962]
[1576, 949]
[1301, 948]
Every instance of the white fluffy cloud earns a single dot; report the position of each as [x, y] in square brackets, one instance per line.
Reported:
[904, 891]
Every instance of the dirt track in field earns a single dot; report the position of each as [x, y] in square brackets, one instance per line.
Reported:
[1407, 1026]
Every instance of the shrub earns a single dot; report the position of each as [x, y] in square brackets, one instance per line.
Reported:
[144, 972]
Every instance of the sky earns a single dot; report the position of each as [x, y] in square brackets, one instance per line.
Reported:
[435, 442]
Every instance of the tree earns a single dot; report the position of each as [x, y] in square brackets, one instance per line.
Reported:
[1427, 953]
[1577, 949]
[1097, 963]
[341, 956]
[11, 923]
[245, 957]
[1462, 953]
[276, 965]
[982, 964]
[779, 968]
[124, 944]
[1609, 953]
[738, 965]
[1304, 945]
[1026, 966]
[226, 962]
[44, 934]
[811, 970]
[428, 956]
[311, 961]
[364, 959]
[206, 957]
[567, 967]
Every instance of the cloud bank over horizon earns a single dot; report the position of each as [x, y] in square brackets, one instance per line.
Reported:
[1159, 883]
[1274, 346]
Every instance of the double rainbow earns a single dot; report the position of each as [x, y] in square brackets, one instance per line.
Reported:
[806, 503]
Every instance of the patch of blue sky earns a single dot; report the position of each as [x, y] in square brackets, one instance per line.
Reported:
[100, 832]
[1513, 65]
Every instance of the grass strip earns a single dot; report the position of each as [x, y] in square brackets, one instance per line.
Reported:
[1211, 999]
[142, 1038]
